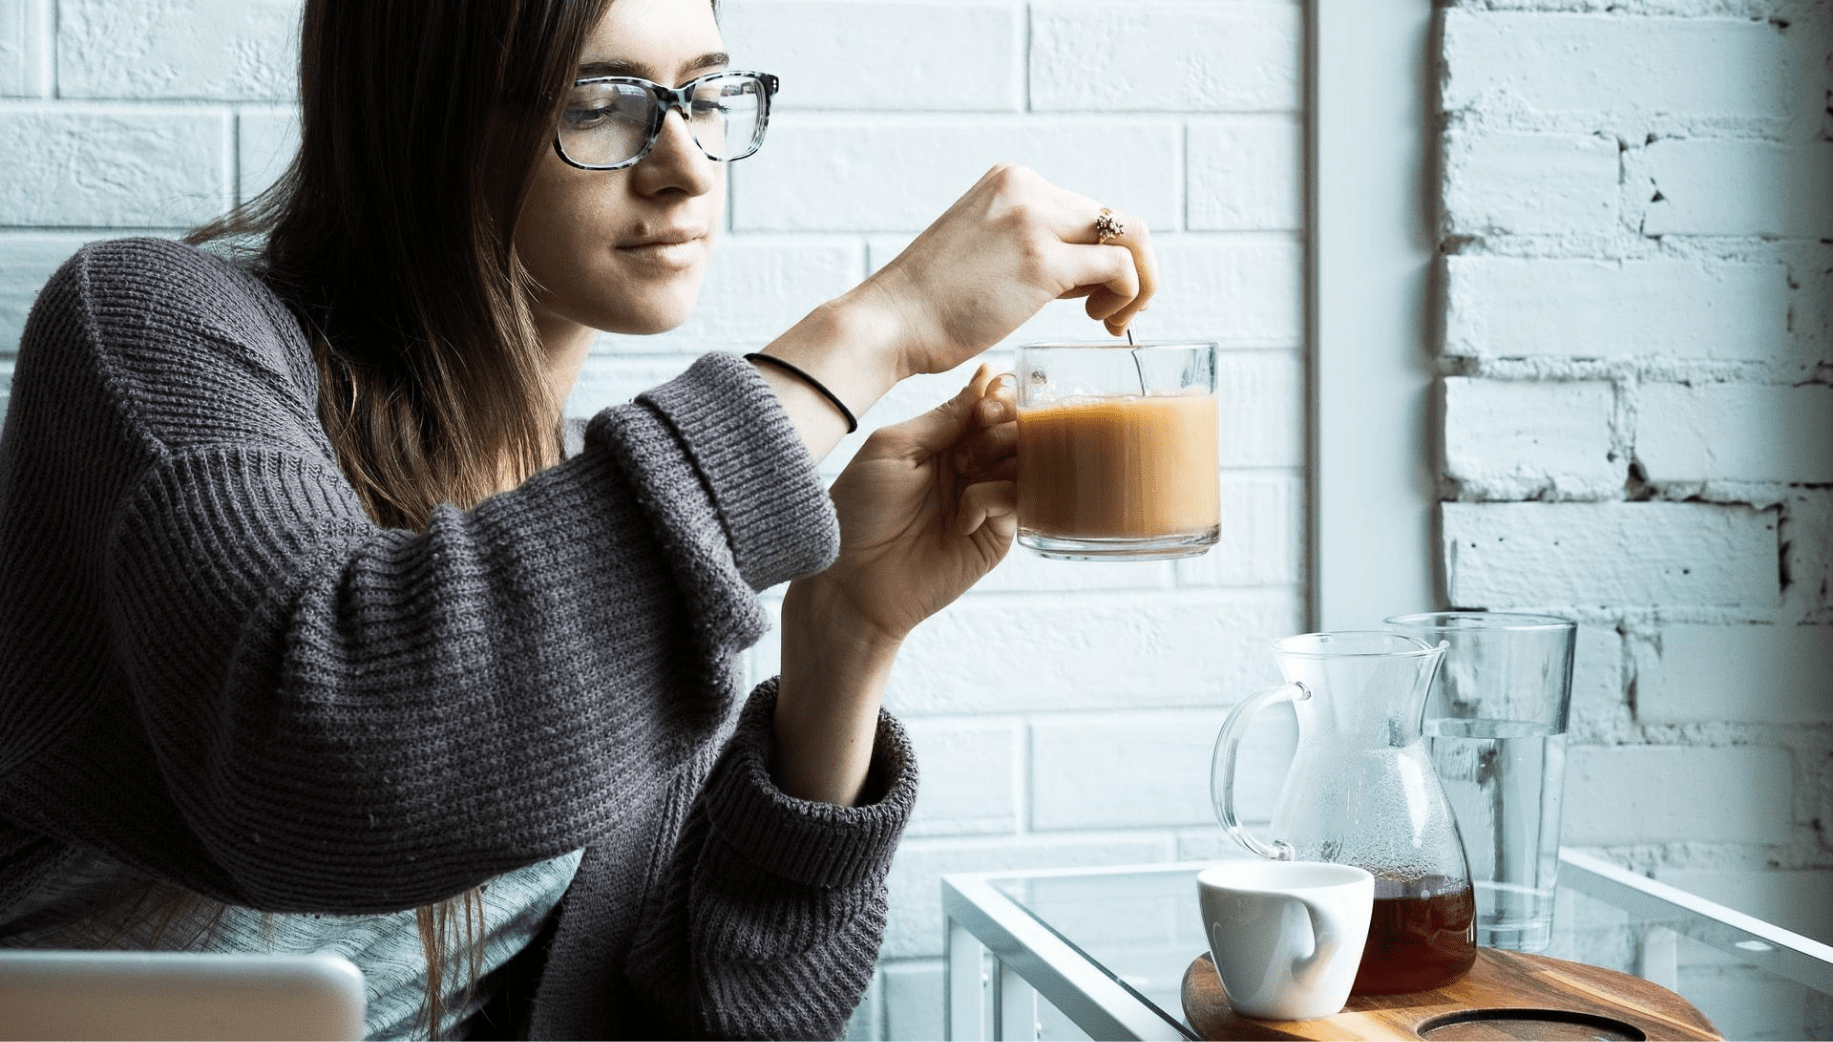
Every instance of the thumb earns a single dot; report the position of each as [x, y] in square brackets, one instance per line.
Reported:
[943, 425]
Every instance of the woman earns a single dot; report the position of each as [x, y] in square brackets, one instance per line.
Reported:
[322, 632]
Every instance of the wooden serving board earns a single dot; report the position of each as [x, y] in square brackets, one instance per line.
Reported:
[1506, 995]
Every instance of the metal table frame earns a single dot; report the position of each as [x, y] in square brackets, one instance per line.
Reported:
[1000, 959]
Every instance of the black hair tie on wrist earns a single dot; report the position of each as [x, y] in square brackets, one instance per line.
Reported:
[852, 424]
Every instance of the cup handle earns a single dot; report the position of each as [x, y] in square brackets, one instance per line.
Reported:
[1004, 382]
[1222, 768]
[1325, 942]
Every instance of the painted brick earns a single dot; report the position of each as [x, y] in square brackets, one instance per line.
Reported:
[1147, 770]
[887, 56]
[1633, 68]
[1621, 795]
[1261, 542]
[1140, 56]
[25, 49]
[969, 777]
[1597, 680]
[1807, 533]
[265, 143]
[216, 49]
[1246, 173]
[1502, 555]
[915, 927]
[913, 999]
[1241, 291]
[83, 166]
[1745, 674]
[1741, 432]
[1198, 648]
[26, 262]
[898, 173]
[1583, 308]
[1708, 187]
[1529, 184]
[1261, 413]
[1517, 439]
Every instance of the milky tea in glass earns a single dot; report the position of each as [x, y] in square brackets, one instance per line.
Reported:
[1117, 449]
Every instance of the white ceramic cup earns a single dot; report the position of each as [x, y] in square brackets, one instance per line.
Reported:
[1286, 936]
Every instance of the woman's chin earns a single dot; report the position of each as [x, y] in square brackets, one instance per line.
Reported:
[656, 317]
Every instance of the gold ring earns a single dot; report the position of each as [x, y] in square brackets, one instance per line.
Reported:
[1107, 227]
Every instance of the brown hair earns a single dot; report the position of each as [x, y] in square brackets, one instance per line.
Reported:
[391, 238]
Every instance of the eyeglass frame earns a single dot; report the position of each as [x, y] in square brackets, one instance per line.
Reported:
[677, 99]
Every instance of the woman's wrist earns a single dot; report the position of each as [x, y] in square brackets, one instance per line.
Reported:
[850, 346]
[840, 360]
[834, 672]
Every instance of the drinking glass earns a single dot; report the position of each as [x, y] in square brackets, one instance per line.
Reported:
[1117, 449]
[1496, 722]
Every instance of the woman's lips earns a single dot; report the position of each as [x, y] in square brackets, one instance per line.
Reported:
[667, 251]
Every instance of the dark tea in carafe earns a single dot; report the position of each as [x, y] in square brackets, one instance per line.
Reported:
[1422, 934]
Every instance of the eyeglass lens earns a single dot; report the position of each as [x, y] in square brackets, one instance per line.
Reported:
[610, 122]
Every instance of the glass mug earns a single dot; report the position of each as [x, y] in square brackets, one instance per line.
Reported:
[1117, 449]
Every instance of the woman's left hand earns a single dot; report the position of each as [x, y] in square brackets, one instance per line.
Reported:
[926, 508]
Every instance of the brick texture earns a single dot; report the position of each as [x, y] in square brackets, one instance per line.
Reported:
[1637, 208]
[223, 50]
[841, 55]
[1747, 432]
[1529, 184]
[1592, 554]
[1593, 308]
[1630, 67]
[96, 166]
[1091, 55]
[1523, 439]
[25, 69]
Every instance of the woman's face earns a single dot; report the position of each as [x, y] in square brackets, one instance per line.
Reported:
[624, 250]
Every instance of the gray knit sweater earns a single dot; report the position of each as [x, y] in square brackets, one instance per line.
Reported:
[217, 671]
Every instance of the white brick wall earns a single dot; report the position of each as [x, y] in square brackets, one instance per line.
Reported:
[1638, 422]
[1063, 711]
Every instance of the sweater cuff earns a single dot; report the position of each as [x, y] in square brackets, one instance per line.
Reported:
[759, 474]
[804, 841]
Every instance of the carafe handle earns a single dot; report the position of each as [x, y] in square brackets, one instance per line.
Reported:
[1222, 767]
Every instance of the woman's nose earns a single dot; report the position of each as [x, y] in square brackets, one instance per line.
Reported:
[676, 161]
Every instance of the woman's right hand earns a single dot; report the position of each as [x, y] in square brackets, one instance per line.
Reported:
[1013, 243]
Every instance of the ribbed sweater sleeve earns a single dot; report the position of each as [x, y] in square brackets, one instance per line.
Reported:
[767, 915]
[247, 688]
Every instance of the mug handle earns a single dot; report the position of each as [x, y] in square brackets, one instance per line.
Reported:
[1222, 767]
[1325, 940]
[1004, 382]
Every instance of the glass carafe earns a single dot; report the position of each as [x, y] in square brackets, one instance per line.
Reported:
[1362, 791]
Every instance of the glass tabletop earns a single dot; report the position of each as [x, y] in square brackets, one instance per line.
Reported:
[1105, 951]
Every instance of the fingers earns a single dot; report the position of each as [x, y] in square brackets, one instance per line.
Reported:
[992, 503]
[1120, 275]
[995, 439]
[941, 427]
